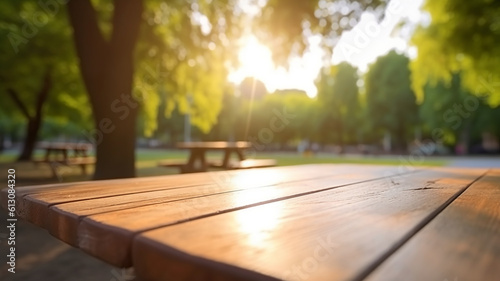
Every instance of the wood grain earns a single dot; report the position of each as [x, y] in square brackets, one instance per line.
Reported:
[63, 219]
[100, 235]
[33, 202]
[329, 235]
[462, 243]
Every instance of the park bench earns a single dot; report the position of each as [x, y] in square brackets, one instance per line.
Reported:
[65, 154]
[307, 222]
[83, 162]
[198, 161]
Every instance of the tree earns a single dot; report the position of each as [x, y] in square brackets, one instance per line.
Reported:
[390, 100]
[295, 104]
[456, 114]
[38, 77]
[339, 98]
[107, 70]
[189, 40]
[225, 127]
[463, 36]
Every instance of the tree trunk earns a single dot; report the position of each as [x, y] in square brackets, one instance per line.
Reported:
[30, 140]
[107, 71]
[34, 122]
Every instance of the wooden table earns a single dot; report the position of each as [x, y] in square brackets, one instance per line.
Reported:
[66, 154]
[198, 162]
[54, 150]
[308, 222]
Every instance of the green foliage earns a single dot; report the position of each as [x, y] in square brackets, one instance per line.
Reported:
[457, 113]
[338, 95]
[293, 103]
[462, 36]
[390, 100]
[284, 24]
[34, 41]
[181, 59]
[182, 54]
[279, 118]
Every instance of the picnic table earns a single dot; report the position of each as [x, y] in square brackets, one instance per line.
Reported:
[307, 222]
[68, 154]
[198, 162]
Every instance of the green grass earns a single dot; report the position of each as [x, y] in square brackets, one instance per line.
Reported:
[286, 160]
[150, 157]
[146, 157]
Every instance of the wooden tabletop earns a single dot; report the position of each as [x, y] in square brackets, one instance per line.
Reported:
[308, 222]
[214, 145]
[64, 146]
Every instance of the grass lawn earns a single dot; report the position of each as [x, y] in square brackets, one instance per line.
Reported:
[291, 158]
[147, 160]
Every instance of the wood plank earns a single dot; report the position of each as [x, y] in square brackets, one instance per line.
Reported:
[214, 145]
[68, 192]
[102, 234]
[70, 161]
[63, 219]
[461, 243]
[33, 202]
[330, 235]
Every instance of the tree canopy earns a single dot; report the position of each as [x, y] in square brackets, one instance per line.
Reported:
[461, 36]
[338, 95]
[40, 78]
[390, 100]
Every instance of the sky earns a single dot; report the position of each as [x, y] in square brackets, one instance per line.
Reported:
[359, 46]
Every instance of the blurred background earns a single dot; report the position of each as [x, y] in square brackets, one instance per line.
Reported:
[397, 82]
[310, 78]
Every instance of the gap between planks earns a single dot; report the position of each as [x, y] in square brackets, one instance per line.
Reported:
[301, 220]
[93, 230]
[367, 271]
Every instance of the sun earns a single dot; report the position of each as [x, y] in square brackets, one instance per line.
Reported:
[256, 61]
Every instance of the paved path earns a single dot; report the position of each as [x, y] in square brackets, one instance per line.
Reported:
[475, 162]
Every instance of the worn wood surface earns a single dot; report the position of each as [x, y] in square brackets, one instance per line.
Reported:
[462, 243]
[33, 202]
[331, 235]
[310, 222]
[63, 219]
[98, 234]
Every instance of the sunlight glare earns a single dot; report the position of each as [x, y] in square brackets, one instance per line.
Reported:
[256, 61]
[257, 222]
